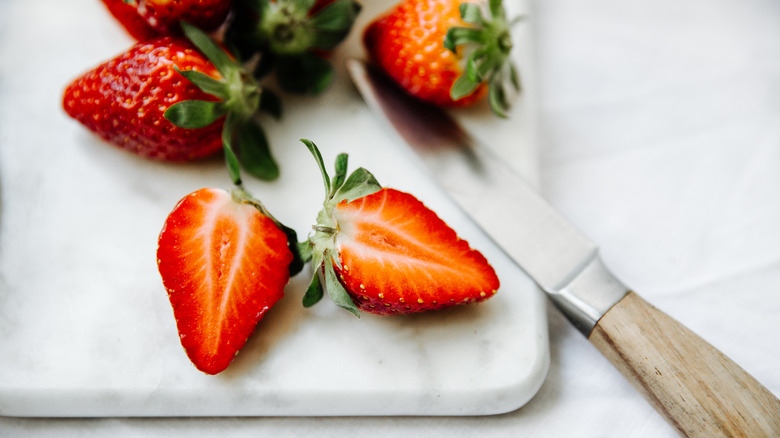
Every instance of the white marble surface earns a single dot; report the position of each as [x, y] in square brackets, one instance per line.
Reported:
[85, 325]
[661, 140]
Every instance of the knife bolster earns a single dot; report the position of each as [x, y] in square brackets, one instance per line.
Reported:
[589, 295]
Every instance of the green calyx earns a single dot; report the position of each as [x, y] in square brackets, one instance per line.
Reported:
[288, 37]
[240, 98]
[489, 61]
[321, 246]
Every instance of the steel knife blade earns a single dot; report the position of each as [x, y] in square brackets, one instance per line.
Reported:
[698, 390]
[506, 207]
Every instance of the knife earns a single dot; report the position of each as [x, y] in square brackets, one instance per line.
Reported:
[699, 390]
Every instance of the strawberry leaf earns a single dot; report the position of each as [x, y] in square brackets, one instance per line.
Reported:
[514, 77]
[463, 86]
[457, 36]
[301, 5]
[254, 153]
[360, 183]
[231, 161]
[209, 48]
[341, 173]
[304, 250]
[299, 259]
[337, 16]
[194, 114]
[320, 163]
[497, 99]
[206, 83]
[479, 65]
[265, 65]
[271, 103]
[471, 13]
[317, 254]
[306, 73]
[497, 10]
[336, 290]
[314, 292]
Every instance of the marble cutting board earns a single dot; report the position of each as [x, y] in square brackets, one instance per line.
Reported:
[85, 325]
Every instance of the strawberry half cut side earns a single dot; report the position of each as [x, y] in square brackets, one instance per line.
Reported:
[382, 251]
[224, 263]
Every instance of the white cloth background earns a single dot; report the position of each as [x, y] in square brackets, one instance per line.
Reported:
[661, 140]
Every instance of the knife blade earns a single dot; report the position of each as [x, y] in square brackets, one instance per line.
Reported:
[694, 386]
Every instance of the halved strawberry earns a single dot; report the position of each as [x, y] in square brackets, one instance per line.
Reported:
[224, 262]
[382, 251]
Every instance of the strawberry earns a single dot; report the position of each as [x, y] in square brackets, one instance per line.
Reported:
[384, 252]
[164, 15]
[145, 19]
[423, 46]
[126, 12]
[163, 99]
[292, 36]
[224, 263]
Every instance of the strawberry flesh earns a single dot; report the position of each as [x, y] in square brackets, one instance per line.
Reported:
[223, 264]
[398, 256]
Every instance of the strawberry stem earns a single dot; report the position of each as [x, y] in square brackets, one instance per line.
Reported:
[290, 34]
[489, 62]
[321, 244]
[239, 97]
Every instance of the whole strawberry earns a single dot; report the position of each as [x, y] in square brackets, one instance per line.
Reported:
[164, 15]
[126, 13]
[382, 251]
[173, 99]
[144, 19]
[124, 100]
[446, 52]
[224, 263]
[292, 36]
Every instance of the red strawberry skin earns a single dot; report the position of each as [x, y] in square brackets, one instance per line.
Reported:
[397, 256]
[124, 99]
[127, 14]
[164, 15]
[407, 42]
[224, 264]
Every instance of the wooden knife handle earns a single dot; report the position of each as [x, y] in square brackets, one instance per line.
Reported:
[699, 390]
